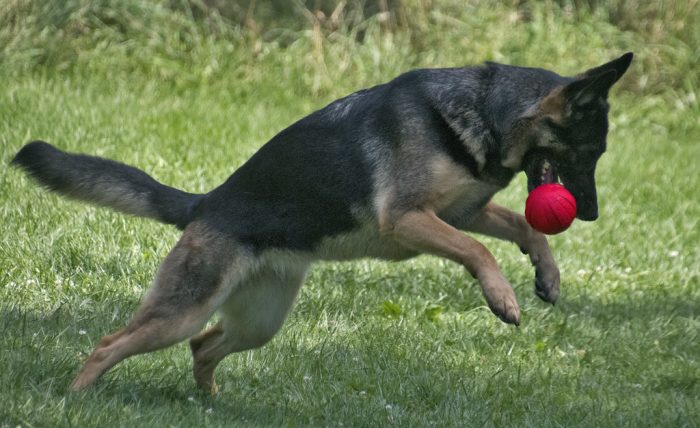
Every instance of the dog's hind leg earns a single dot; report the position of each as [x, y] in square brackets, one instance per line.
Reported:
[502, 223]
[250, 317]
[193, 281]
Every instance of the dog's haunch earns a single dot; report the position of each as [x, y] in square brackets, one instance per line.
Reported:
[550, 208]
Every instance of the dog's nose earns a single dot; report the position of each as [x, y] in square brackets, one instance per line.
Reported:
[588, 215]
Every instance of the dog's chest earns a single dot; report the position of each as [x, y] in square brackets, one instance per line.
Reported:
[365, 241]
[454, 192]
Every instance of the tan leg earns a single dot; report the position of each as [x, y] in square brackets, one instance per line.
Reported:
[250, 317]
[192, 282]
[502, 223]
[423, 231]
[204, 346]
[207, 335]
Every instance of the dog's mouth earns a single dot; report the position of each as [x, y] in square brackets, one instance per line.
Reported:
[540, 169]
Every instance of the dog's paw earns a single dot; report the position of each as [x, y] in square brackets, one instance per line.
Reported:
[81, 382]
[547, 282]
[501, 300]
[507, 310]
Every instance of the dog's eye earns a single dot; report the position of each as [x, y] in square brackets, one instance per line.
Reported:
[583, 113]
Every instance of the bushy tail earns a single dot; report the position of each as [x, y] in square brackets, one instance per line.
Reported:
[105, 182]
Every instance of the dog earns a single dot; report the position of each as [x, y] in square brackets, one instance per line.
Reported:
[389, 172]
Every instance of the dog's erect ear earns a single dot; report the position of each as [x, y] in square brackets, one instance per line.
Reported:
[561, 102]
[619, 66]
[587, 90]
[588, 87]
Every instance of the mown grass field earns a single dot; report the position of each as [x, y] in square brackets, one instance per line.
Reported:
[189, 98]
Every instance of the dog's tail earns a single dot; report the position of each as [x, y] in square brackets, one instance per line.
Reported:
[107, 183]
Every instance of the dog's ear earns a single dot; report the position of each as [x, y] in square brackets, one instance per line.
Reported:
[583, 92]
[563, 101]
[587, 87]
[619, 66]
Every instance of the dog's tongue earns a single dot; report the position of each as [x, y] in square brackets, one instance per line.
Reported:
[540, 171]
[549, 174]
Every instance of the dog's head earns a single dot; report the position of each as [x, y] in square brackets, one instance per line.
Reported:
[564, 134]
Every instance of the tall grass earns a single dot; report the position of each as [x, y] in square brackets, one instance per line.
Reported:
[333, 46]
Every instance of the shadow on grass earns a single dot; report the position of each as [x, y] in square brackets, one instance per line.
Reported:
[363, 373]
[638, 308]
[44, 352]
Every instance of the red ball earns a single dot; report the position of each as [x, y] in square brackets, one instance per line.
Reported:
[550, 208]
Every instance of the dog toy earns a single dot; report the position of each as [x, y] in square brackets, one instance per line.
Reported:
[550, 208]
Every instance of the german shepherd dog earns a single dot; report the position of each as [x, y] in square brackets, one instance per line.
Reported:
[389, 172]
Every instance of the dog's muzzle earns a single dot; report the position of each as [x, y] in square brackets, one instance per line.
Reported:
[582, 186]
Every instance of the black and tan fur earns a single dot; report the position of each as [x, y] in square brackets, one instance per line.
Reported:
[391, 172]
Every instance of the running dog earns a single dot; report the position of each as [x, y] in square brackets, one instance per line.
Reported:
[390, 172]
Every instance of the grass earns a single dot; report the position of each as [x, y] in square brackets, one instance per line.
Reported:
[369, 343]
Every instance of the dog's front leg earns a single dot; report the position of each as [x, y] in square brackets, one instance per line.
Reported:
[502, 223]
[423, 231]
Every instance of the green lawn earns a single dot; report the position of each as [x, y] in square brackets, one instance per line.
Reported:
[369, 343]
